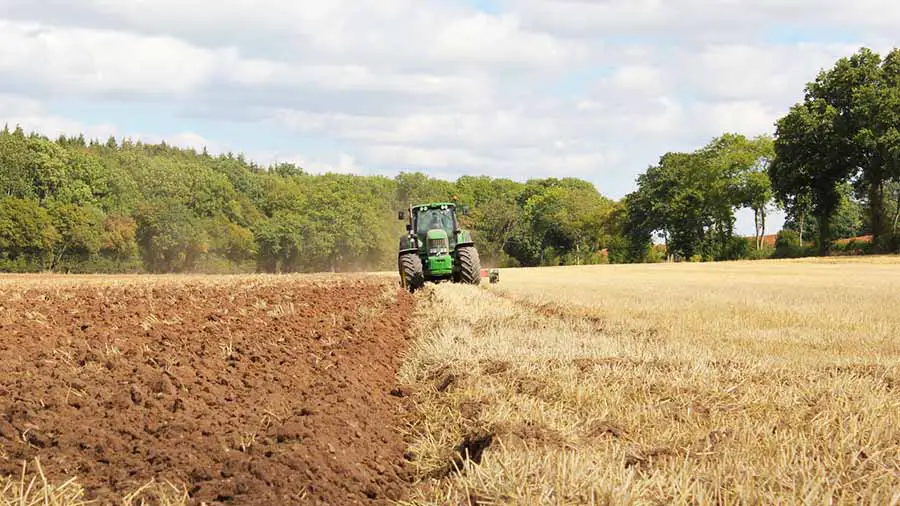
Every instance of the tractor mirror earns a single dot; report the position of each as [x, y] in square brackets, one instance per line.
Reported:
[408, 227]
[401, 215]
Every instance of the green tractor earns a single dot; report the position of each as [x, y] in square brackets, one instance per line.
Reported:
[435, 249]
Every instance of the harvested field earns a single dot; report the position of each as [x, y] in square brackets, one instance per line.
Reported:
[737, 383]
[234, 390]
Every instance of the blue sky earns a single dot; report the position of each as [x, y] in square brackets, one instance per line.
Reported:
[596, 89]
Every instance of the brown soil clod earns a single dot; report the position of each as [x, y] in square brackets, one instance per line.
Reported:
[492, 367]
[240, 408]
[472, 409]
[470, 450]
[401, 392]
[445, 383]
[642, 457]
[604, 429]
[473, 446]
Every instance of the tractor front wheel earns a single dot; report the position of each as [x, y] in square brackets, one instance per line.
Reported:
[469, 265]
[411, 275]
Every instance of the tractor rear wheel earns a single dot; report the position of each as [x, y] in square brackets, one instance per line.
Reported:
[411, 276]
[469, 265]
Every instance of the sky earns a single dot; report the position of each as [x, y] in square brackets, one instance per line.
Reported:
[594, 89]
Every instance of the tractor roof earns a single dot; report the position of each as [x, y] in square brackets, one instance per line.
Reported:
[434, 205]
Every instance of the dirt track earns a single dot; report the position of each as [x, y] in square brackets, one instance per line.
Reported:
[248, 391]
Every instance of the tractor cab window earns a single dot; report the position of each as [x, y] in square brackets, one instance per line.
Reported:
[430, 219]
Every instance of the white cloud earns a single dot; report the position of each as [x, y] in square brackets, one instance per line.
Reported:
[32, 116]
[517, 163]
[640, 78]
[188, 140]
[590, 88]
[342, 163]
[410, 32]
[748, 117]
[487, 39]
[703, 20]
[740, 71]
[487, 130]
[78, 62]
[72, 61]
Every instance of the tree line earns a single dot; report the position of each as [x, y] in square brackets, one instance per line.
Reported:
[76, 205]
[833, 167]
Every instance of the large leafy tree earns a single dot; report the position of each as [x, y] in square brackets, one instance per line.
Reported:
[27, 235]
[561, 221]
[170, 237]
[810, 161]
[740, 165]
[844, 130]
[80, 232]
[689, 199]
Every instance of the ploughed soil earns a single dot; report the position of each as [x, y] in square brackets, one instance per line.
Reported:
[242, 390]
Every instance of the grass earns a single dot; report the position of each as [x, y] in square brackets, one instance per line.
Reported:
[769, 382]
[32, 488]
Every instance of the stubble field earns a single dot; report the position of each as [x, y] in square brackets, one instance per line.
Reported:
[732, 383]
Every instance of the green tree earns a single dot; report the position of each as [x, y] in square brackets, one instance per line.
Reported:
[417, 188]
[15, 166]
[27, 235]
[845, 130]
[230, 241]
[848, 220]
[169, 236]
[80, 231]
[689, 199]
[119, 238]
[563, 221]
[742, 165]
[123, 204]
[810, 162]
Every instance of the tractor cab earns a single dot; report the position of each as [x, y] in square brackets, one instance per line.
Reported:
[435, 242]
[435, 227]
[434, 217]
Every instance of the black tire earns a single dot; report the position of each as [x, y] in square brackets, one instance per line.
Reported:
[411, 276]
[469, 265]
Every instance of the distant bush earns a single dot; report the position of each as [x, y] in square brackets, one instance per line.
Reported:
[617, 250]
[787, 245]
[737, 248]
[19, 265]
[101, 265]
[853, 248]
[655, 254]
[760, 254]
[599, 258]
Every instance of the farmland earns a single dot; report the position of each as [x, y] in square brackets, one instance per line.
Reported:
[722, 383]
[241, 390]
[759, 382]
